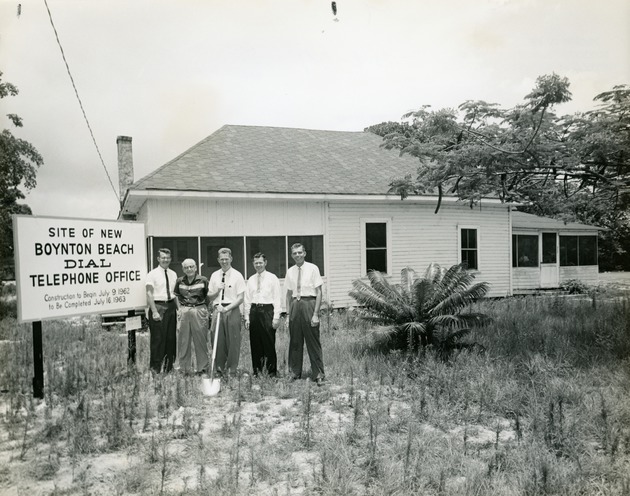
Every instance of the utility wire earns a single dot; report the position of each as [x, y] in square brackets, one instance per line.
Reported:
[80, 103]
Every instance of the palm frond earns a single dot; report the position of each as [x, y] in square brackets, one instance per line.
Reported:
[368, 297]
[382, 334]
[455, 279]
[416, 327]
[434, 272]
[459, 321]
[391, 307]
[379, 282]
[423, 293]
[420, 310]
[407, 279]
[450, 336]
[461, 298]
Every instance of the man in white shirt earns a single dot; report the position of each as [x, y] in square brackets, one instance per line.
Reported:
[226, 290]
[160, 286]
[303, 285]
[262, 316]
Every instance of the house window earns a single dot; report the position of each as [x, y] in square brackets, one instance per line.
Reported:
[469, 248]
[274, 249]
[587, 250]
[524, 250]
[314, 246]
[375, 247]
[181, 249]
[209, 253]
[578, 250]
[549, 248]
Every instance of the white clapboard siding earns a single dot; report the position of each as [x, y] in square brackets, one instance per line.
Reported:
[234, 218]
[418, 237]
[525, 278]
[588, 274]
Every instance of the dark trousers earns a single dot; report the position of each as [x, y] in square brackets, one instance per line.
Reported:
[262, 339]
[301, 331]
[163, 337]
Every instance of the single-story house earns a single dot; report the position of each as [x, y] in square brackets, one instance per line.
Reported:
[254, 188]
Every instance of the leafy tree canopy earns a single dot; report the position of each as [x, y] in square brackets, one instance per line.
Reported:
[574, 167]
[19, 161]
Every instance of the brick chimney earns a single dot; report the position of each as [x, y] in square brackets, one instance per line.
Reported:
[125, 165]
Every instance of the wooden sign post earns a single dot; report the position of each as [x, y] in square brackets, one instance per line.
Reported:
[131, 341]
[38, 361]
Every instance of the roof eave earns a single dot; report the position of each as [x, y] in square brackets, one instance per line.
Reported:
[135, 198]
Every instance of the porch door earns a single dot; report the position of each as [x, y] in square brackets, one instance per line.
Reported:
[549, 270]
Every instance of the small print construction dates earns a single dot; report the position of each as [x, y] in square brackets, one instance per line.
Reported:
[119, 295]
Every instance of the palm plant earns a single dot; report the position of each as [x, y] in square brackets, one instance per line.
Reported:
[420, 311]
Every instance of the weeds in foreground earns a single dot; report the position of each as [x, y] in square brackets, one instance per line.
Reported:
[541, 411]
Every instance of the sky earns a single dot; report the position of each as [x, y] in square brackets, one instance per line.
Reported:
[170, 73]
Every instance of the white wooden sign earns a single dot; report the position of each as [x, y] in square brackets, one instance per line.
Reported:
[133, 323]
[67, 267]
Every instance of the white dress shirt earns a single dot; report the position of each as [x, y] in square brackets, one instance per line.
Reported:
[234, 285]
[157, 280]
[309, 282]
[268, 292]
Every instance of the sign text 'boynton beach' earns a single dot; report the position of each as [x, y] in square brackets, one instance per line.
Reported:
[81, 257]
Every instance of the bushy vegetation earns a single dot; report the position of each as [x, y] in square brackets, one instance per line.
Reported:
[542, 411]
[425, 311]
[575, 286]
[8, 303]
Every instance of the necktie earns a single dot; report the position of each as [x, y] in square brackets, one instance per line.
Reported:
[223, 282]
[258, 283]
[299, 283]
[168, 288]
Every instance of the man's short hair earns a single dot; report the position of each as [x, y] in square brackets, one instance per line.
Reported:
[166, 251]
[295, 246]
[225, 251]
[259, 255]
[189, 261]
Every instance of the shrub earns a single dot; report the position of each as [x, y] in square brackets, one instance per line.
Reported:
[8, 288]
[574, 286]
[8, 308]
[420, 311]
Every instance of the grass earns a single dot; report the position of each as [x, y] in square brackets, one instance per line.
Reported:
[543, 410]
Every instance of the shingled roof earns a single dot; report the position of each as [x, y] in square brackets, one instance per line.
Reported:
[522, 220]
[282, 160]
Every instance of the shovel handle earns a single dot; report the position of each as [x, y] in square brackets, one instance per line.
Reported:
[214, 345]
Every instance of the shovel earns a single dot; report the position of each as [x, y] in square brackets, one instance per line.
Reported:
[211, 386]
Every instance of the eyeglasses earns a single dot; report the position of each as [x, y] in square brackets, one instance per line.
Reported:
[190, 267]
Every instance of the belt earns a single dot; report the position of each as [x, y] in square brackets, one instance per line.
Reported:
[222, 304]
[304, 297]
[163, 302]
[262, 305]
[192, 306]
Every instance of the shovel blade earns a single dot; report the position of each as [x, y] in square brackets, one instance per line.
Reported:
[210, 387]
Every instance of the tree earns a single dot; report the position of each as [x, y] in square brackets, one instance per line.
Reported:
[19, 162]
[420, 311]
[570, 167]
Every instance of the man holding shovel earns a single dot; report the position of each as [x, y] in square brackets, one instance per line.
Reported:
[226, 289]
